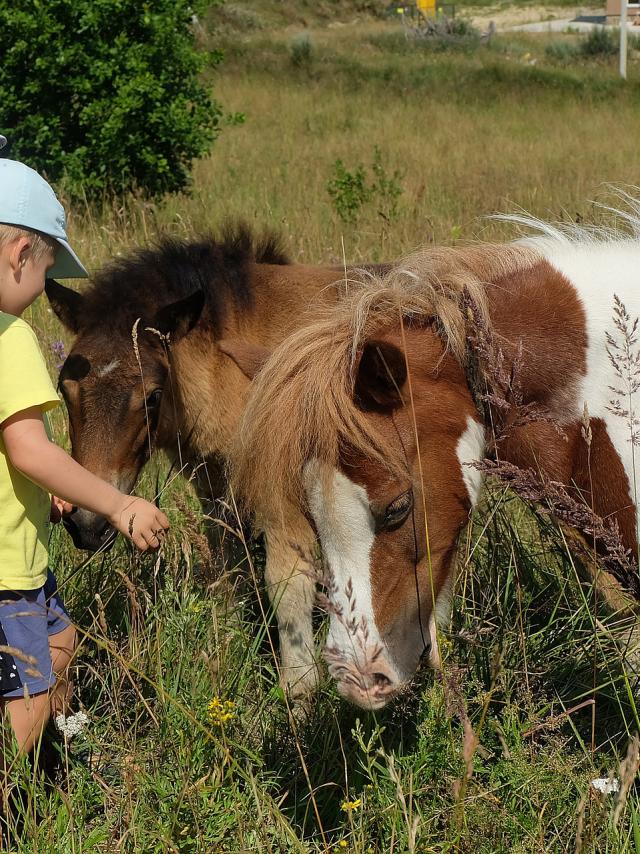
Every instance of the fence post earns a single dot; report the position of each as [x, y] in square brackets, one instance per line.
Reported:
[623, 39]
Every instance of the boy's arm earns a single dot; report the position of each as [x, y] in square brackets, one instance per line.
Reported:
[43, 462]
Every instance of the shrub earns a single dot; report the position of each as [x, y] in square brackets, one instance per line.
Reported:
[601, 42]
[386, 188]
[104, 95]
[350, 190]
[444, 33]
[606, 42]
[301, 51]
[562, 51]
[458, 27]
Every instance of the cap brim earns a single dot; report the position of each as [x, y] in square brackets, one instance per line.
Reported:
[67, 265]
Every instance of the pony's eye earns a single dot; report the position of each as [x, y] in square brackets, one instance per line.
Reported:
[153, 400]
[396, 513]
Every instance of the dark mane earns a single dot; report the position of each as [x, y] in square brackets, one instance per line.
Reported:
[145, 280]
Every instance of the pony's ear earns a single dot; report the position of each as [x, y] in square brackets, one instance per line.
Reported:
[178, 318]
[248, 357]
[66, 304]
[381, 374]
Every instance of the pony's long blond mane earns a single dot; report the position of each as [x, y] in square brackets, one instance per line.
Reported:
[302, 402]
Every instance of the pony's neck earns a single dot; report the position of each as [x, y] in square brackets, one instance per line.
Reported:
[210, 389]
[539, 325]
[283, 295]
[537, 340]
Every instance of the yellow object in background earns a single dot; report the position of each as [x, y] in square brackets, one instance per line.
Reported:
[427, 7]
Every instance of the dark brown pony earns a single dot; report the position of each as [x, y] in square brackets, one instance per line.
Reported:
[373, 418]
[153, 365]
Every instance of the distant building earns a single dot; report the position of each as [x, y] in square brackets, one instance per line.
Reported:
[613, 10]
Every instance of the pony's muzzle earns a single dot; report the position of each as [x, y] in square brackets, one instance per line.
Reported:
[89, 531]
[369, 687]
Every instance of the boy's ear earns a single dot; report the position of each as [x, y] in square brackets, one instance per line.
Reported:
[66, 304]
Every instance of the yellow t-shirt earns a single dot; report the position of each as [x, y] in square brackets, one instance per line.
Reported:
[24, 507]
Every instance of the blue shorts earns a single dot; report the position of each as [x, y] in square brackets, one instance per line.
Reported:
[27, 619]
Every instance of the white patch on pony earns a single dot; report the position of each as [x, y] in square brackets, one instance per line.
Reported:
[438, 618]
[346, 529]
[470, 449]
[107, 369]
[598, 270]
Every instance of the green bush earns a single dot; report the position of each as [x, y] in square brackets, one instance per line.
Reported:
[386, 188]
[606, 42]
[301, 51]
[104, 95]
[562, 51]
[350, 191]
[601, 42]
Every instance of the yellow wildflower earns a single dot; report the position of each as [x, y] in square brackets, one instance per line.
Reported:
[221, 711]
[351, 806]
[343, 843]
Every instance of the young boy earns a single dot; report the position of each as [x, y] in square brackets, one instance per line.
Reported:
[37, 638]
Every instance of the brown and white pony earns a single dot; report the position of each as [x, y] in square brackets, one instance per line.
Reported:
[371, 419]
[153, 365]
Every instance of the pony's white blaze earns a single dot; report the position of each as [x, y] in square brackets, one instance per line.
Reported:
[598, 271]
[469, 450]
[346, 529]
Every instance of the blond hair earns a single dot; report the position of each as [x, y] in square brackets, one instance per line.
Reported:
[40, 243]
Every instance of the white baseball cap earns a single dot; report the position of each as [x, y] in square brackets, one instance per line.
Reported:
[28, 201]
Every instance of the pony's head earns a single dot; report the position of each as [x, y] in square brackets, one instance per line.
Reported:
[388, 527]
[365, 419]
[128, 327]
[114, 384]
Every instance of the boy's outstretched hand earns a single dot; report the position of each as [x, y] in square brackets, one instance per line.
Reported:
[141, 522]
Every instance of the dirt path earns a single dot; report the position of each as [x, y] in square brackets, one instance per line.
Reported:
[512, 16]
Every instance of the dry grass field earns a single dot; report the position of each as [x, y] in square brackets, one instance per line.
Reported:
[189, 745]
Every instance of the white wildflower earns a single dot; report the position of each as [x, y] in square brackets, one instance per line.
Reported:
[606, 785]
[71, 725]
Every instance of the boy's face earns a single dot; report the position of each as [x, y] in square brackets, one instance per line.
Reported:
[22, 277]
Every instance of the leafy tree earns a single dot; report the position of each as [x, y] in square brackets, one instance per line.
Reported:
[105, 95]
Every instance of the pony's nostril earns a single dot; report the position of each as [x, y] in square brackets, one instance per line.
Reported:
[89, 534]
[381, 681]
